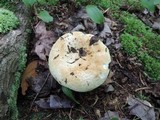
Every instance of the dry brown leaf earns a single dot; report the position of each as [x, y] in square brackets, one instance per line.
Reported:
[40, 29]
[141, 108]
[45, 40]
[54, 102]
[29, 72]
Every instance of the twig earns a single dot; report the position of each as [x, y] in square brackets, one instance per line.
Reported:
[96, 100]
[38, 92]
[143, 88]
[70, 114]
[119, 64]
[47, 116]
[140, 77]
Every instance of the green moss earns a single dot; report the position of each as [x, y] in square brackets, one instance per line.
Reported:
[137, 39]
[12, 98]
[4, 3]
[149, 43]
[133, 25]
[8, 20]
[131, 44]
[151, 65]
[135, 4]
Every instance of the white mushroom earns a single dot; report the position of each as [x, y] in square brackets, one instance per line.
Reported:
[79, 61]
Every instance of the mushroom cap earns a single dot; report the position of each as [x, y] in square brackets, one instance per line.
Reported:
[79, 61]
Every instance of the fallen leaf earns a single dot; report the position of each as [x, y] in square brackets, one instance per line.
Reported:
[141, 108]
[78, 28]
[57, 102]
[82, 14]
[45, 40]
[36, 83]
[53, 102]
[112, 115]
[88, 24]
[110, 22]
[106, 32]
[32, 72]
[109, 41]
[40, 29]
[117, 45]
[29, 72]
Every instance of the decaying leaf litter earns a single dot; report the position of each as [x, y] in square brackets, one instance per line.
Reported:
[114, 99]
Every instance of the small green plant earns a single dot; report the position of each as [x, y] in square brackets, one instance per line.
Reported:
[114, 118]
[69, 93]
[8, 20]
[143, 97]
[81, 118]
[43, 14]
[95, 14]
[150, 4]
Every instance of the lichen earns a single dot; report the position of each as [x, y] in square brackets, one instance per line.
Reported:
[8, 20]
[12, 98]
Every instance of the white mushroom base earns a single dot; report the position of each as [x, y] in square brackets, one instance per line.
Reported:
[78, 62]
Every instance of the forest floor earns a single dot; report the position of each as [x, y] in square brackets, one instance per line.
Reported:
[131, 91]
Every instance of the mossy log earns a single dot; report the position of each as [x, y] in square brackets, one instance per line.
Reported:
[12, 63]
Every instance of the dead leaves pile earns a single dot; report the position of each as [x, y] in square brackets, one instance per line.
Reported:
[37, 78]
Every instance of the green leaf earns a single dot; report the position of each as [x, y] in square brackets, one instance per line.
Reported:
[149, 4]
[29, 2]
[114, 118]
[45, 16]
[41, 2]
[95, 14]
[69, 94]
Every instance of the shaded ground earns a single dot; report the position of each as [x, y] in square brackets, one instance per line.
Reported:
[127, 77]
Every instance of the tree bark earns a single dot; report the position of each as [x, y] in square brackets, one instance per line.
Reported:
[12, 62]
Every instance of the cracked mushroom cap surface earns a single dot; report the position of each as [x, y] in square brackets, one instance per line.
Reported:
[79, 61]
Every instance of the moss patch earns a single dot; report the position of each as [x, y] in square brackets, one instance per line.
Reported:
[137, 39]
[12, 98]
[8, 20]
